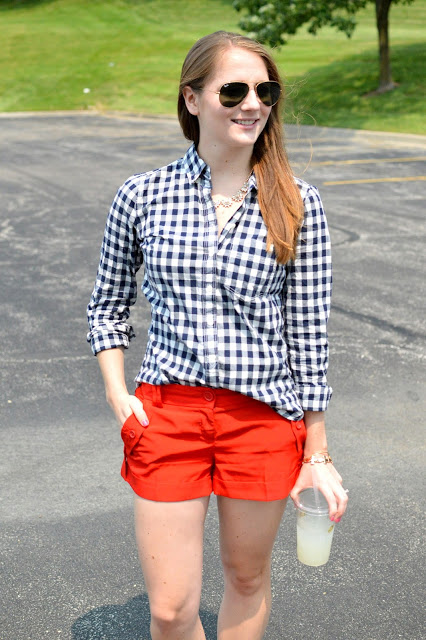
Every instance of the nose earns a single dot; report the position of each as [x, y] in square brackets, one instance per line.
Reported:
[251, 101]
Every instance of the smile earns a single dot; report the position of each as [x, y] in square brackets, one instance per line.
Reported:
[245, 122]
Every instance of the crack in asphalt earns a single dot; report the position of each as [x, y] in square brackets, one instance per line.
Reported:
[380, 323]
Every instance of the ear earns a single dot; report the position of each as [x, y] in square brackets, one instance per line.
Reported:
[191, 98]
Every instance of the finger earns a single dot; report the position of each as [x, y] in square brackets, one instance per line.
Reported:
[340, 493]
[137, 407]
[337, 499]
[323, 479]
[342, 503]
[304, 481]
[329, 495]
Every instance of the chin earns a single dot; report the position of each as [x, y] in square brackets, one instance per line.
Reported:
[248, 139]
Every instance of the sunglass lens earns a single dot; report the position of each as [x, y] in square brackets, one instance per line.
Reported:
[233, 93]
[269, 92]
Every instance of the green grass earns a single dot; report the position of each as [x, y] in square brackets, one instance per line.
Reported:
[129, 54]
[334, 95]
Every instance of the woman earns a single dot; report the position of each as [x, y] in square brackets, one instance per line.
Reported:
[232, 391]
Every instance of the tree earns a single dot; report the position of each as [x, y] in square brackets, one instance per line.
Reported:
[269, 21]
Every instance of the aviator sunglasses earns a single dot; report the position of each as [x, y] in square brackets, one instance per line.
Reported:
[232, 93]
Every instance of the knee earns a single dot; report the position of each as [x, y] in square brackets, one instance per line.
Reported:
[248, 583]
[168, 617]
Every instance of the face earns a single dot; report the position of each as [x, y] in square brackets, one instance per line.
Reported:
[236, 126]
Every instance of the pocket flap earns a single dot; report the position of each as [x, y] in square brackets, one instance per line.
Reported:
[131, 433]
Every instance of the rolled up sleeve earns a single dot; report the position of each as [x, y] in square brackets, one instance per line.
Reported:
[307, 298]
[115, 289]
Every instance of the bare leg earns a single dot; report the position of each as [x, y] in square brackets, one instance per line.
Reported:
[170, 543]
[247, 532]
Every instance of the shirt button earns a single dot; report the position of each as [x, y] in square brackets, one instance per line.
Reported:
[209, 288]
[210, 321]
[208, 395]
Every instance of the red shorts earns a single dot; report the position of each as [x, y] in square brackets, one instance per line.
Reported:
[201, 439]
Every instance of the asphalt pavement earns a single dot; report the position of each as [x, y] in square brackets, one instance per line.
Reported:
[69, 566]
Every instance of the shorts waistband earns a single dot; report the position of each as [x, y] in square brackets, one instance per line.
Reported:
[186, 395]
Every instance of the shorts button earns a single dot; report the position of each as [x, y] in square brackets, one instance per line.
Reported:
[132, 434]
[208, 395]
[298, 425]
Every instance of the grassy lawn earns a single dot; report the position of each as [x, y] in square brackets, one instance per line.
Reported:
[129, 54]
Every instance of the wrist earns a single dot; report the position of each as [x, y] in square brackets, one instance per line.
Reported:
[319, 457]
[316, 438]
[310, 450]
[114, 396]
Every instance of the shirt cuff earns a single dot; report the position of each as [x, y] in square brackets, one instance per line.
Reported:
[110, 336]
[313, 397]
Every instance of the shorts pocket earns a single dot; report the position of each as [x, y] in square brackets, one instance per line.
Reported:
[131, 433]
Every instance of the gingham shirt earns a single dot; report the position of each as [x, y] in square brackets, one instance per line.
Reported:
[224, 312]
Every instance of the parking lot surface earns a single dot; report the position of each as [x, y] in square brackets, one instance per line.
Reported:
[69, 562]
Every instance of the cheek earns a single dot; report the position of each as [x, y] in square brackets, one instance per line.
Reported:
[265, 111]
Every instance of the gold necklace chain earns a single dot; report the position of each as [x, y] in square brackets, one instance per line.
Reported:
[237, 197]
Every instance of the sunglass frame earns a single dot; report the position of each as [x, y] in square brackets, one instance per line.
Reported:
[273, 83]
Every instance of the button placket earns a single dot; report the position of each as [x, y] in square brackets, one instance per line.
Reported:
[210, 247]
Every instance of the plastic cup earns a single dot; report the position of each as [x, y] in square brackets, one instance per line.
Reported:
[314, 529]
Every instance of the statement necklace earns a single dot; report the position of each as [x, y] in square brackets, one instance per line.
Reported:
[237, 197]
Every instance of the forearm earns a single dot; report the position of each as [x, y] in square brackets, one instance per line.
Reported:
[316, 439]
[111, 363]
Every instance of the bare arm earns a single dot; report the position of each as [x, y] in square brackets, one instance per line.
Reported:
[324, 476]
[111, 362]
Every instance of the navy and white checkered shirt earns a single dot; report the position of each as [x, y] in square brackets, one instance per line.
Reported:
[224, 312]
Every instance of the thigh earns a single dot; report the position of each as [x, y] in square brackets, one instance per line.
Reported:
[170, 544]
[248, 529]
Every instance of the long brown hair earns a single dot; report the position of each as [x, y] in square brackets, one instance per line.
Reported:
[278, 194]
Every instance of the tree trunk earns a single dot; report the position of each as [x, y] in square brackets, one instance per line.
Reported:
[382, 21]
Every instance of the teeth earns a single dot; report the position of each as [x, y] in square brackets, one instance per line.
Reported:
[245, 121]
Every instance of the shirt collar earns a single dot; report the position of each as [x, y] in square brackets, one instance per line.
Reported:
[194, 166]
[252, 181]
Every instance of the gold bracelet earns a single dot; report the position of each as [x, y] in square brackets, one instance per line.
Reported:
[321, 457]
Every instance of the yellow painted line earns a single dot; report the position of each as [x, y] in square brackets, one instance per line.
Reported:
[368, 161]
[408, 179]
[313, 149]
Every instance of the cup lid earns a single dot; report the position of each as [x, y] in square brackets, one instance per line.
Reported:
[313, 502]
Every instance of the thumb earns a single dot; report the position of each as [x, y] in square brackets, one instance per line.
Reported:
[294, 495]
